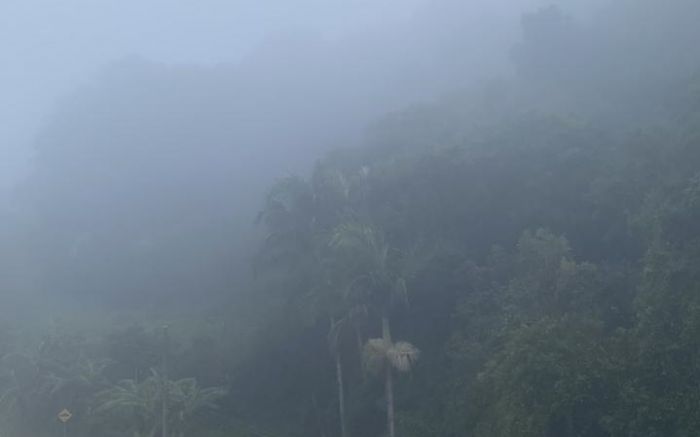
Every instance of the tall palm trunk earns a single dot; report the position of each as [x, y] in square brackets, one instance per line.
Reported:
[341, 393]
[389, 382]
[339, 380]
[360, 349]
[360, 342]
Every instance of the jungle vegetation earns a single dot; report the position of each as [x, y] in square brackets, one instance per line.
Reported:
[516, 259]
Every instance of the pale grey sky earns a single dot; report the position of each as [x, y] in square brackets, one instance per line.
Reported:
[49, 47]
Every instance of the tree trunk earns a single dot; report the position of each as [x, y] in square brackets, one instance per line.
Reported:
[360, 342]
[389, 383]
[341, 393]
[335, 349]
[360, 351]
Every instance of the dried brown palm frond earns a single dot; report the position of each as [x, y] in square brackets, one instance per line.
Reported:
[378, 353]
[402, 356]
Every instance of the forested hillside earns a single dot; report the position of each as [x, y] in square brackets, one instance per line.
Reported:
[519, 258]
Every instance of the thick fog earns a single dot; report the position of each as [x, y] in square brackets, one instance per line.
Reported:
[51, 47]
[134, 131]
[509, 185]
[138, 139]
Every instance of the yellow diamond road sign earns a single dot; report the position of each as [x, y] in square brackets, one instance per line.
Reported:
[64, 416]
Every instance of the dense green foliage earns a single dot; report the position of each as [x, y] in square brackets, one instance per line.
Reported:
[498, 263]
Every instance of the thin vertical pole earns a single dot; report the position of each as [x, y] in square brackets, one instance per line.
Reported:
[164, 382]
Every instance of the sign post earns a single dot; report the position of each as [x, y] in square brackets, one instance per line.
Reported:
[64, 416]
[164, 384]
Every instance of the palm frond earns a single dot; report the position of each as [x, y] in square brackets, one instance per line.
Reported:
[402, 356]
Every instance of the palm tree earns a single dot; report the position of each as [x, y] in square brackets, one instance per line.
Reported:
[298, 215]
[381, 355]
[138, 402]
[327, 300]
[141, 402]
[187, 399]
[288, 216]
[379, 275]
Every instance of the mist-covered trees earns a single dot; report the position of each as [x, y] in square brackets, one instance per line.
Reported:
[555, 290]
[138, 406]
[520, 259]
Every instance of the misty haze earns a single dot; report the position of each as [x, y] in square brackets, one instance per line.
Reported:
[350, 218]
